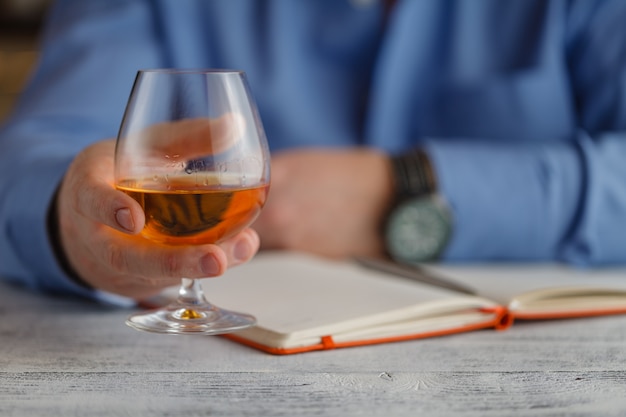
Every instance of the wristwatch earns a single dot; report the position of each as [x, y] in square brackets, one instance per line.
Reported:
[419, 224]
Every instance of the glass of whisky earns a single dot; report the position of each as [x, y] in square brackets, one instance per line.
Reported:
[192, 152]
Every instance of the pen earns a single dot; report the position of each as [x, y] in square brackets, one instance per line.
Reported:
[413, 272]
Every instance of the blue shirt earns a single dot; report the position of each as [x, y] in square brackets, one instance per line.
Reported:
[520, 103]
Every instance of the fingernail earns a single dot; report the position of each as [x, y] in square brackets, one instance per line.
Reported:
[242, 250]
[209, 265]
[125, 220]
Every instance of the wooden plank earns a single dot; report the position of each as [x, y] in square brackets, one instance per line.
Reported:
[305, 393]
[65, 357]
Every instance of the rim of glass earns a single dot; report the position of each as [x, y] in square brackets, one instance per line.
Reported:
[191, 70]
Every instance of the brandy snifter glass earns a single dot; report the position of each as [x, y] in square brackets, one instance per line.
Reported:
[192, 152]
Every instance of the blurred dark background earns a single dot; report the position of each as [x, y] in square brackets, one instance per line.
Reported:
[20, 22]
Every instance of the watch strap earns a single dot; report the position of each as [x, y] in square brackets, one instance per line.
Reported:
[413, 174]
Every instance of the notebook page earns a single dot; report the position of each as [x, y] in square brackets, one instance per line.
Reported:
[292, 292]
[502, 282]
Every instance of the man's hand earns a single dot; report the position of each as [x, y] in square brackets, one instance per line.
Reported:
[328, 202]
[99, 232]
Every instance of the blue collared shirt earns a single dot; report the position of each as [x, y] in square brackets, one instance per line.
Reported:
[520, 103]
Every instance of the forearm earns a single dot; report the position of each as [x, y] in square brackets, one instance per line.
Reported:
[535, 202]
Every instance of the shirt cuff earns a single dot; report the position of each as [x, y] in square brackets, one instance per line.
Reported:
[509, 201]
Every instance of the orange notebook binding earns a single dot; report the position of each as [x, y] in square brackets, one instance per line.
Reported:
[501, 321]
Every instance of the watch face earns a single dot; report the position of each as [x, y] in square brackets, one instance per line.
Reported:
[418, 229]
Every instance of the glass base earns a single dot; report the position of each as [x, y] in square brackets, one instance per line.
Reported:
[203, 319]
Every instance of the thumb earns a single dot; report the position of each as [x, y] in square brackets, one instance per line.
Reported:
[89, 191]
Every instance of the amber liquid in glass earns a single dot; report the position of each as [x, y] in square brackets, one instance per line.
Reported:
[184, 213]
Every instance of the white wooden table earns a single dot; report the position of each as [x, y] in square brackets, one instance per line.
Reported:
[61, 357]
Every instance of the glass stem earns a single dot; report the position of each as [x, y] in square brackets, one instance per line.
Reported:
[190, 292]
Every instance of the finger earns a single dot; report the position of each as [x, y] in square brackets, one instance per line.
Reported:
[96, 199]
[196, 138]
[103, 204]
[242, 247]
[225, 132]
[165, 265]
[158, 263]
[157, 273]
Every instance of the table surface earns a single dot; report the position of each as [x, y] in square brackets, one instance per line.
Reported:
[67, 357]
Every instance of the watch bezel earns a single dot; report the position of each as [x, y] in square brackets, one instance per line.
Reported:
[440, 208]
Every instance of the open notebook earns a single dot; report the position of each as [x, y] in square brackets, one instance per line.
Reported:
[304, 303]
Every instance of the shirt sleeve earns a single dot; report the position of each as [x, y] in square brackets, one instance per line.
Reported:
[90, 54]
[551, 200]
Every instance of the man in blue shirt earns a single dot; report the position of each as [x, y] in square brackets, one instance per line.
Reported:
[517, 108]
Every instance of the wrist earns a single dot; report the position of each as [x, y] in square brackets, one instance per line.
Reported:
[54, 235]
